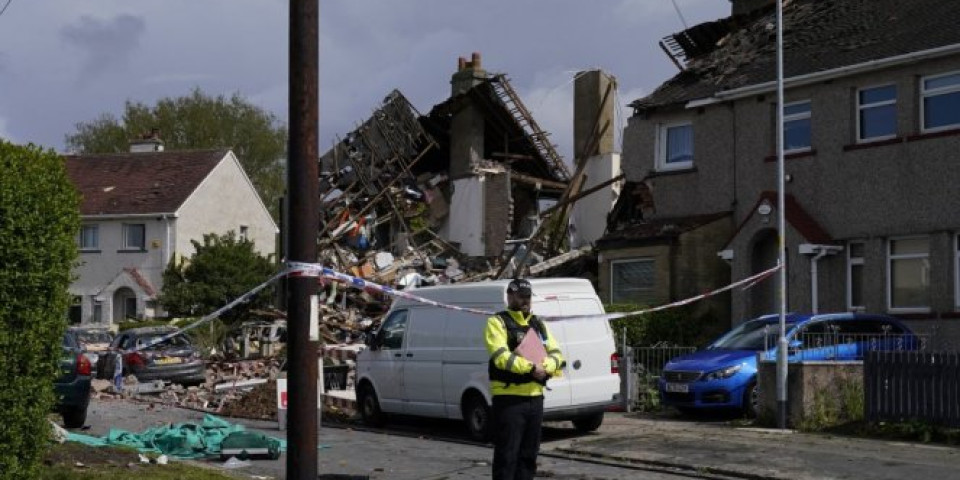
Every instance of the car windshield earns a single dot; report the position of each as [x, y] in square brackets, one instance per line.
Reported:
[750, 336]
[176, 341]
[93, 337]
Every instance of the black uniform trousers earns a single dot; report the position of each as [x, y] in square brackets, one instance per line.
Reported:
[516, 422]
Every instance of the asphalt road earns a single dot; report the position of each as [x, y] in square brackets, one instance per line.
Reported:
[407, 449]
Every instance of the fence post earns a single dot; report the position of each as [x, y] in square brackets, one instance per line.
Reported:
[631, 380]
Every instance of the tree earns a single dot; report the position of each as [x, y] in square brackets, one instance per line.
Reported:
[222, 269]
[198, 121]
[39, 221]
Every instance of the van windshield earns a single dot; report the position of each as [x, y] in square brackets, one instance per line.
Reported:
[753, 336]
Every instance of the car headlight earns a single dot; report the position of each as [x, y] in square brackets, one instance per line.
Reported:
[723, 373]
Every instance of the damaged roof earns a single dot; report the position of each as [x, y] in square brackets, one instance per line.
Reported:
[819, 35]
[657, 230]
[139, 183]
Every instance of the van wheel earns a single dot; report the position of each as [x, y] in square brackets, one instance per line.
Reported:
[588, 424]
[751, 400]
[370, 406]
[477, 415]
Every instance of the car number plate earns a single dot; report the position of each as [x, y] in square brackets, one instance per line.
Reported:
[678, 388]
[167, 360]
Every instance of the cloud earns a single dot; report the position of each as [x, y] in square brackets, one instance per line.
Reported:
[177, 78]
[106, 44]
[4, 133]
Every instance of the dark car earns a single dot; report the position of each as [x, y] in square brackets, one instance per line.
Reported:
[724, 375]
[93, 341]
[174, 359]
[73, 385]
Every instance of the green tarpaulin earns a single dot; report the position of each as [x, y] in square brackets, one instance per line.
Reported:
[181, 440]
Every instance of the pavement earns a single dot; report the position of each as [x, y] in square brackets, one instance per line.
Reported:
[712, 449]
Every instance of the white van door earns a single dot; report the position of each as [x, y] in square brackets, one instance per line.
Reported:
[587, 349]
[386, 363]
[423, 363]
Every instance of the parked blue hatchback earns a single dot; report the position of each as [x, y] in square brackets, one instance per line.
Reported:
[724, 375]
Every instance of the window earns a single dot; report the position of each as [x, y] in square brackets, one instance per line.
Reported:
[877, 113]
[391, 333]
[97, 311]
[244, 233]
[632, 281]
[675, 147]
[908, 277]
[940, 107]
[89, 237]
[956, 270]
[855, 276]
[133, 236]
[796, 126]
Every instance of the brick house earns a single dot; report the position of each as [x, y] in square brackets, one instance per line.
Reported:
[872, 140]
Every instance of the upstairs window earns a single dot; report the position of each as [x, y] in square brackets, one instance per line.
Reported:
[134, 235]
[877, 113]
[796, 126]
[940, 107]
[675, 147]
[89, 237]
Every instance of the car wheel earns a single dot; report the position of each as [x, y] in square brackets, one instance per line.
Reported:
[74, 417]
[370, 406]
[588, 424]
[751, 399]
[478, 418]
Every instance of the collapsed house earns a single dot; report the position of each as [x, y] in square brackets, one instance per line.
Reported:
[472, 190]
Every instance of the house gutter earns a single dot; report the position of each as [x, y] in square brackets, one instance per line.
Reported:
[815, 77]
[109, 216]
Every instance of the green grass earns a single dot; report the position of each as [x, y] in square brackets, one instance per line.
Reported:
[73, 461]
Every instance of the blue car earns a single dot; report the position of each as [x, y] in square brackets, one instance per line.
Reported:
[724, 375]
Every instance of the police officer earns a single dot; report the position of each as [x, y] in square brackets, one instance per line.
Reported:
[517, 384]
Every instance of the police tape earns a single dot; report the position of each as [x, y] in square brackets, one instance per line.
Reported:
[317, 270]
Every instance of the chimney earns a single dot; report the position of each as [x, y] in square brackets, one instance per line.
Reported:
[469, 74]
[148, 142]
[742, 7]
[593, 98]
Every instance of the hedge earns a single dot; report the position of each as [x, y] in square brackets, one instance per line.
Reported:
[39, 222]
[675, 326]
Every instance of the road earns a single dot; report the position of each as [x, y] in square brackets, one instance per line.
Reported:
[407, 449]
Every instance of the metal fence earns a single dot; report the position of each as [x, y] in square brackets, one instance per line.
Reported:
[641, 368]
[849, 347]
[908, 385]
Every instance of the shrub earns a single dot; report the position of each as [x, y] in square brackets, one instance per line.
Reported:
[676, 326]
[39, 221]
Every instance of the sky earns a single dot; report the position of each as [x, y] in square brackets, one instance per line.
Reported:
[63, 62]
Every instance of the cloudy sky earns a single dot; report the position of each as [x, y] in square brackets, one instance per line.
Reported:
[67, 61]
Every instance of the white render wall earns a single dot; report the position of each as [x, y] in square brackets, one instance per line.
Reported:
[590, 213]
[224, 201]
[465, 221]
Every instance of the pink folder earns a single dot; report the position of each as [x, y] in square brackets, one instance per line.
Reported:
[531, 348]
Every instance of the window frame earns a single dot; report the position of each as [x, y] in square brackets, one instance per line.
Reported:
[851, 262]
[661, 154]
[808, 115]
[861, 107]
[907, 256]
[613, 263]
[126, 238]
[937, 91]
[95, 227]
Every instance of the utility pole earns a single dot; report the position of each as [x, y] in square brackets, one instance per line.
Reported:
[781, 235]
[302, 189]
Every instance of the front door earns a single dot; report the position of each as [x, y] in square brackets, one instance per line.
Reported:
[386, 362]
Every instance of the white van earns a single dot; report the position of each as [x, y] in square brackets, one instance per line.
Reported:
[432, 362]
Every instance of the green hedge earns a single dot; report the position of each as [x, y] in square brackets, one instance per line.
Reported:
[677, 326]
[39, 222]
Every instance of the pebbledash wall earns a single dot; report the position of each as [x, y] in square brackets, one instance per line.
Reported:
[899, 188]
